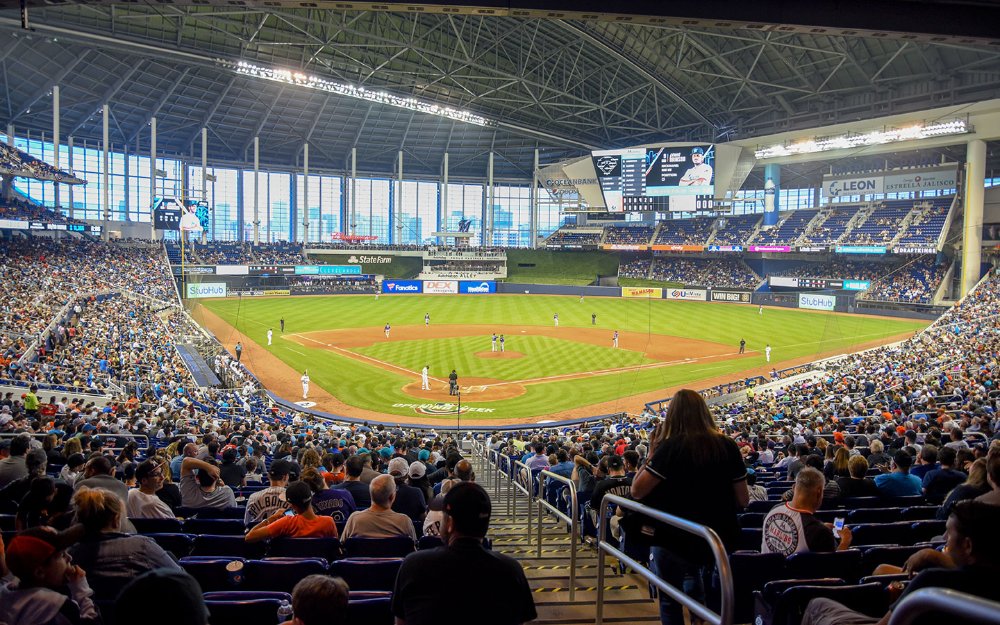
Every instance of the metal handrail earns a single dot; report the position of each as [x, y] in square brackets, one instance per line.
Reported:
[677, 594]
[493, 459]
[525, 488]
[948, 603]
[572, 519]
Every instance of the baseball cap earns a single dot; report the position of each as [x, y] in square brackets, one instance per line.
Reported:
[399, 466]
[33, 548]
[417, 470]
[615, 463]
[174, 588]
[697, 151]
[423, 455]
[280, 468]
[469, 507]
[299, 494]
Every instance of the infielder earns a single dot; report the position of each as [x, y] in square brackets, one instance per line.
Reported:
[555, 319]
[501, 343]
[493, 343]
[424, 384]
[387, 329]
[743, 345]
[614, 339]
[767, 353]
[305, 384]
[427, 319]
[270, 333]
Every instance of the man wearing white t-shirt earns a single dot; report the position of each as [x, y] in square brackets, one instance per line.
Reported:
[143, 502]
[792, 527]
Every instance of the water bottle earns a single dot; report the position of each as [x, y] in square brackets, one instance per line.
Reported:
[284, 611]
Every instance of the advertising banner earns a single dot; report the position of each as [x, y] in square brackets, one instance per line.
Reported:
[402, 286]
[931, 179]
[486, 286]
[232, 270]
[812, 248]
[860, 249]
[206, 289]
[736, 297]
[770, 248]
[691, 295]
[327, 270]
[369, 260]
[677, 248]
[914, 250]
[857, 285]
[817, 302]
[204, 270]
[624, 247]
[856, 185]
[441, 286]
[636, 291]
[790, 283]
[724, 248]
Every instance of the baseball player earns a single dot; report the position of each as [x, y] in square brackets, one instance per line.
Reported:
[424, 384]
[501, 343]
[493, 343]
[743, 345]
[767, 353]
[700, 175]
[270, 333]
[281, 324]
[614, 339]
[387, 328]
[427, 319]
[760, 309]
[555, 319]
[593, 319]
[305, 384]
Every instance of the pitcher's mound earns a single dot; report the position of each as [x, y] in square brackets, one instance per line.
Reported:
[499, 355]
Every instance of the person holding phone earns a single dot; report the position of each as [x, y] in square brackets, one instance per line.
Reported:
[793, 527]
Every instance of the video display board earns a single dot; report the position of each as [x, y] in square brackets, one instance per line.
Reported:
[657, 178]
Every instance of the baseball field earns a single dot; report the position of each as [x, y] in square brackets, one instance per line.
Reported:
[544, 373]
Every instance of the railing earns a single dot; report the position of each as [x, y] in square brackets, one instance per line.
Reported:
[572, 519]
[526, 487]
[677, 594]
[945, 604]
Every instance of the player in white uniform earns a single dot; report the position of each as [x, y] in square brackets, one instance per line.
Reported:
[700, 175]
[270, 333]
[427, 319]
[387, 329]
[305, 384]
[493, 343]
[767, 353]
[555, 319]
[614, 339]
[760, 309]
[424, 384]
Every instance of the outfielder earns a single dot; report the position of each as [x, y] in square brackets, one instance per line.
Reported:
[427, 319]
[305, 384]
[501, 343]
[424, 384]
[387, 329]
[555, 319]
[270, 333]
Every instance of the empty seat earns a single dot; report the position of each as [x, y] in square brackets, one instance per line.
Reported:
[367, 573]
[927, 530]
[370, 610]
[751, 538]
[177, 544]
[768, 610]
[843, 564]
[874, 515]
[256, 611]
[211, 513]
[210, 572]
[762, 506]
[157, 526]
[395, 547]
[280, 574]
[882, 534]
[215, 526]
[752, 519]
[226, 545]
[429, 542]
[326, 548]
[895, 555]
[790, 604]
[919, 513]
[751, 570]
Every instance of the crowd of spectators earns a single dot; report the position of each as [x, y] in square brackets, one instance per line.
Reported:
[912, 283]
[789, 230]
[573, 238]
[628, 235]
[237, 253]
[474, 266]
[840, 269]
[684, 231]
[20, 163]
[706, 272]
[881, 226]
[735, 229]
[304, 285]
[831, 228]
[18, 209]
[636, 268]
[925, 228]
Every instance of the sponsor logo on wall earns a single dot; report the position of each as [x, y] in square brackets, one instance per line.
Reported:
[486, 286]
[440, 286]
[817, 302]
[691, 295]
[739, 297]
[866, 185]
[633, 291]
[206, 289]
[442, 409]
[369, 260]
[401, 286]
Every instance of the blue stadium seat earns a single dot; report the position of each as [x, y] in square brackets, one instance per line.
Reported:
[928, 530]
[883, 533]
[280, 574]
[158, 526]
[789, 606]
[226, 545]
[843, 564]
[766, 609]
[370, 610]
[395, 547]
[257, 611]
[179, 545]
[229, 527]
[367, 573]
[873, 515]
[429, 542]
[751, 570]
[210, 572]
[326, 548]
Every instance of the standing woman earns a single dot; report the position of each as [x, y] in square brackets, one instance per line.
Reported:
[694, 472]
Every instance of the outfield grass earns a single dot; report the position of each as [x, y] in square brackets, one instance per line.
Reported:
[791, 333]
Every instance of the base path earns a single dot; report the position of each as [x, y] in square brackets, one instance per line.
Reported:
[283, 380]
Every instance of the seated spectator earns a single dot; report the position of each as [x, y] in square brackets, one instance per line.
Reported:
[305, 523]
[143, 502]
[234, 475]
[352, 483]
[485, 575]
[176, 590]
[13, 467]
[899, 483]
[110, 557]
[100, 473]
[857, 484]
[792, 527]
[320, 600]
[35, 462]
[38, 558]
[993, 478]
[877, 459]
[616, 483]
[969, 563]
[409, 500]
[204, 489]
[379, 521]
[73, 469]
[757, 492]
[940, 482]
[435, 509]
[264, 503]
[336, 503]
[40, 506]
[927, 459]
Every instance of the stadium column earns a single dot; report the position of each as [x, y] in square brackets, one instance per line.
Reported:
[772, 184]
[972, 241]
[256, 190]
[152, 174]
[354, 190]
[305, 193]
[69, 150]
[399, 204]
[442, 225]
[534, 202]
[105, 179]
[204, 178]
[55, 140]
[488, 226]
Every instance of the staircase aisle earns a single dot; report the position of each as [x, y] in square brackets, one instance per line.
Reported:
[626, 597]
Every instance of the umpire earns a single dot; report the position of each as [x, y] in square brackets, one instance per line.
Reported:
[452, 383]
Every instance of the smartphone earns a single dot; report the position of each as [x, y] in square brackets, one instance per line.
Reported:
[838, 524]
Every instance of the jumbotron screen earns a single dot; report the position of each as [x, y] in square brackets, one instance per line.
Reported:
[657, 178]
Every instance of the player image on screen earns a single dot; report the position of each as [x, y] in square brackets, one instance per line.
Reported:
[700, 173]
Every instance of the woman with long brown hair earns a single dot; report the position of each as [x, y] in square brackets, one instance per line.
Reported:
[695, 472]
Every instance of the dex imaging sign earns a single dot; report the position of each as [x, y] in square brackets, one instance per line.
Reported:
[206, 289]
[817, 302]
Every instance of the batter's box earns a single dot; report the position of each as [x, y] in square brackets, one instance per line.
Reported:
[475, 389]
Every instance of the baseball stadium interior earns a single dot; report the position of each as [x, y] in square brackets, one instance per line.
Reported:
[716, 288]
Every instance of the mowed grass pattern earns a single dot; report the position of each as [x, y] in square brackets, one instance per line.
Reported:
[542, 356]
[791, 333]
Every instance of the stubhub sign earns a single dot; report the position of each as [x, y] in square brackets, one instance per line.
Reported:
[477, 287]
[817, 302]
[206, 289]
[402, 286]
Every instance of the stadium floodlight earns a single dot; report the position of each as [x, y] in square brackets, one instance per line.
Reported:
[863, 139]
[310, 81]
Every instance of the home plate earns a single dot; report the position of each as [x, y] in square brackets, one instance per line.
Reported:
[523, 331]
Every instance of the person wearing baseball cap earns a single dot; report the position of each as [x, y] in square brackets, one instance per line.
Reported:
[264, 503]
[480, 575]
[305, 523]
[39, 560]
[410, 500]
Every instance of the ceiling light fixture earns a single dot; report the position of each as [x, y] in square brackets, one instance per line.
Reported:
[378, 97]
[863, 139]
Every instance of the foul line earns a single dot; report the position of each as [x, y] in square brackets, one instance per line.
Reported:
[357, 356]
